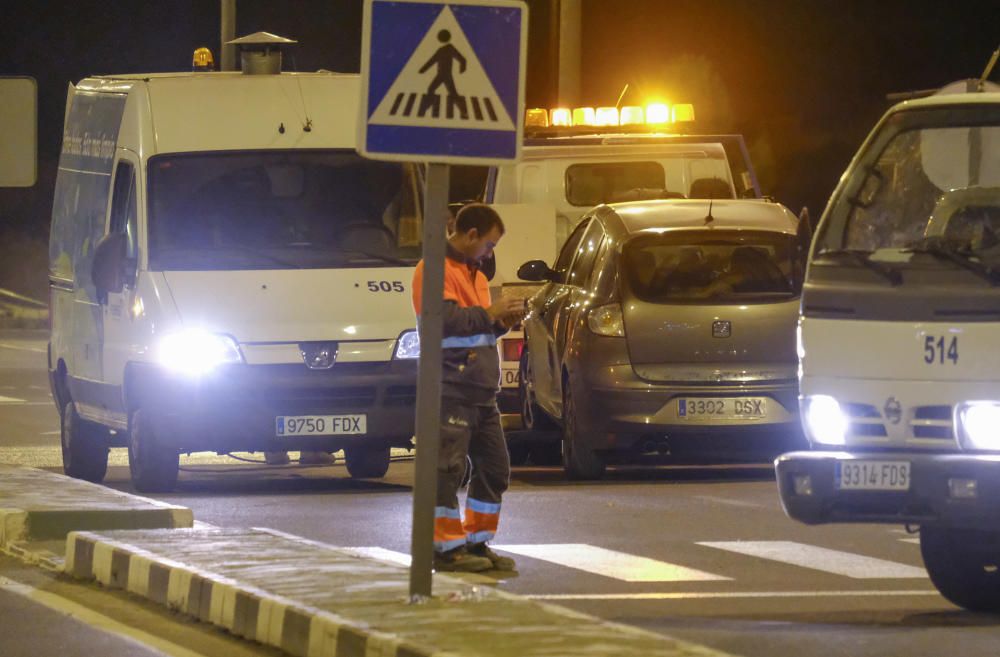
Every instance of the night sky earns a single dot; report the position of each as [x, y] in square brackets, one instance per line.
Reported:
[803, 80]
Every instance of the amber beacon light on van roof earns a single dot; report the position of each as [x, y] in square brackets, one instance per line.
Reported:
[653, 114]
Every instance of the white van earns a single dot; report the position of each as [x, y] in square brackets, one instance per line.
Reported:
[228, 274]
[898, 365]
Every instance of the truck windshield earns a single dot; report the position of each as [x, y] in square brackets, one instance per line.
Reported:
[698, 266]
[281, 210]
[932, 178]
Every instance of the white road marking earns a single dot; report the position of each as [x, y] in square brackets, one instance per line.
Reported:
[734, 594]
[98, 621]
[7, 345]
[10, 400]
[381, 554]
[609, 563]
[728, 502]
[848, 564]
[915, 541]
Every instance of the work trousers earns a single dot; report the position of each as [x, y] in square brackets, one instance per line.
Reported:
[472, 430]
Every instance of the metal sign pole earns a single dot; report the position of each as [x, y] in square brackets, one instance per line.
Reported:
[428, 420]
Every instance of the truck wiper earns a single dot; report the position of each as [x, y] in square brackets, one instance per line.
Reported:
[863, 258]
[950, 252]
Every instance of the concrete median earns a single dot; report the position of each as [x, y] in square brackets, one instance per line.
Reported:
[313, 600]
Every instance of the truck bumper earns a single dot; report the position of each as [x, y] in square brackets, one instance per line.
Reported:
[941, 489]
[235, 408]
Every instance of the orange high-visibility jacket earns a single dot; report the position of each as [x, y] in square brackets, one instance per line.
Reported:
[470, 358]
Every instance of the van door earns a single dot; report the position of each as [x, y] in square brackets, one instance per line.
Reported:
[117, 338]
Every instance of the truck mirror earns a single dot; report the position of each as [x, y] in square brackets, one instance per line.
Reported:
[536, 271]
[106, 269]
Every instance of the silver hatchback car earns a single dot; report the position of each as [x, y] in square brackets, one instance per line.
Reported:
[667, 328]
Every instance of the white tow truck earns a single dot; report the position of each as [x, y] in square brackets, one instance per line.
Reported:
[899, 370]
[576, 159]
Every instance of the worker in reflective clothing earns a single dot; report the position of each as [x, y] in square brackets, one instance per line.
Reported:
[470, 421]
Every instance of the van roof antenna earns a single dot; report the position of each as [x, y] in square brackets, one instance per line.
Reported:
[708, 217]
[989, 69]
[621, 96]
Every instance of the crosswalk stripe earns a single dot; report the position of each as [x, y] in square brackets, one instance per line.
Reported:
[706, 595]
[848, 564]
[610, 563]
[915, 541]
[10, 400]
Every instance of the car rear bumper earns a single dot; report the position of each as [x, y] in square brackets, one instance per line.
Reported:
[618, 401]
[235, 408]
[929, 499]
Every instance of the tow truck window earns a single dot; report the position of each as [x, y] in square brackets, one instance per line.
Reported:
[592, 184]
[281, 210]
[716, 267]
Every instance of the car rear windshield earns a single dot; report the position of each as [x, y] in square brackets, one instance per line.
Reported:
[281, 210]
[717, 266]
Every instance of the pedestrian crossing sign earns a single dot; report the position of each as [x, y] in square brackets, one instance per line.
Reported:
[443, 81]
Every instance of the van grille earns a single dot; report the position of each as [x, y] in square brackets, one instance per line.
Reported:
[932, 422]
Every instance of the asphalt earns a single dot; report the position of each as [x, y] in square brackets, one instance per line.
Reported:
[307, 598]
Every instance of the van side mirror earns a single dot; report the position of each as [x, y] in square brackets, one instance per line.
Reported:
[536, 271]
[106, 271]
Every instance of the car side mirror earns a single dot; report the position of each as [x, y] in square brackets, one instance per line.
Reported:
[107, 266]
[536, 271]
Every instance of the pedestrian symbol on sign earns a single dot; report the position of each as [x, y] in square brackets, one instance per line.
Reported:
[469, 99]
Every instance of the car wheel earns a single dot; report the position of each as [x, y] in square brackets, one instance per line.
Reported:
[367, 462]
[963, 565]
[533, 418]
[84, 446]
[153, 467]
[579, 460]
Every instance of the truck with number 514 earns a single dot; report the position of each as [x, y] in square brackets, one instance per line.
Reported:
[899, 368]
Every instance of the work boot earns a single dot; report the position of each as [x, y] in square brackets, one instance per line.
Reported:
[315, 458]
[499, 562]
[460, 561]
[276, 458]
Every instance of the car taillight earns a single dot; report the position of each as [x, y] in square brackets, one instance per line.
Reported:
[512, 348]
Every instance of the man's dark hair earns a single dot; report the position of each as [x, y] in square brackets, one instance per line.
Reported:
[479, 216]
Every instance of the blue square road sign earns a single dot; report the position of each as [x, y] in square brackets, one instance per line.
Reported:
[443, 81]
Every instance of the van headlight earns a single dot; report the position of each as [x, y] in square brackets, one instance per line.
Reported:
[195, 352]
[825, 422]
[408, 345]
[977, 425]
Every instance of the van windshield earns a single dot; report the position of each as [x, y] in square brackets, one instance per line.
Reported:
[718, 266]
[281, 210]
[933, 177]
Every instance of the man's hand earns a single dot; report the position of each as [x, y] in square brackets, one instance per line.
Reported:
[508, 311]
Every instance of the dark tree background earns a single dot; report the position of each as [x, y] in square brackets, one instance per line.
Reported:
[802, 80]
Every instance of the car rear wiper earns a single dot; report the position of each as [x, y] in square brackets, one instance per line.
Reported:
[950, 252]
[863, 258]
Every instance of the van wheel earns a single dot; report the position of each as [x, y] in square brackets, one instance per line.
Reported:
[152, 466]
[963, 565]
[533, 418]
[367, 462]
[579, 460]
[84, 446]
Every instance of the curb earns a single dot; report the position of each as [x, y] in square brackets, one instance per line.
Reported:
[248, 612]
[37, 505]
[311, 599]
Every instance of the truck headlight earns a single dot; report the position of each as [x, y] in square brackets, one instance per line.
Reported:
[408, 345]
[195, 352]
[825, 421]
[977, 425]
